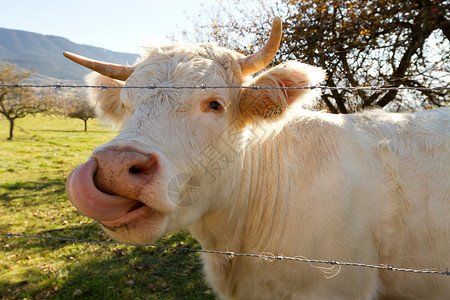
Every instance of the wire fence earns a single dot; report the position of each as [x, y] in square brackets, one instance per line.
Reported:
[59, 86]
[230, 254]
[268, 257]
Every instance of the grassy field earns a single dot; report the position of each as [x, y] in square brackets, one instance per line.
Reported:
[33, 169]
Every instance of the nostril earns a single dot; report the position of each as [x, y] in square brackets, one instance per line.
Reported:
[136, 170]
[145, 168]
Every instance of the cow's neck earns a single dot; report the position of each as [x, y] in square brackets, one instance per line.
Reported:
[249, 218]
[260, 198]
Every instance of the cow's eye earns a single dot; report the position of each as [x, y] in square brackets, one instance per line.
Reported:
[215, 105]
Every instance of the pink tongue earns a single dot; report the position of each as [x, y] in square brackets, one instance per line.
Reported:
[85, 196]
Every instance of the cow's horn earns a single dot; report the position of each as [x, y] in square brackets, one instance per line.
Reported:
[114, 71]
[260, 59]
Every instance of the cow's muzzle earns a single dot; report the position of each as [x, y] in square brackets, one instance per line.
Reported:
[108, 186]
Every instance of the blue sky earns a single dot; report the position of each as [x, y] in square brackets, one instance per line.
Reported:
[118, 25]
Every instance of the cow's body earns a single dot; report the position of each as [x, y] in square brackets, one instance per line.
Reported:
[348, 188]
[368, 188]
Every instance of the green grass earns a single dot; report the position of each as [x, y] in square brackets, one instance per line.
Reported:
[33, 169]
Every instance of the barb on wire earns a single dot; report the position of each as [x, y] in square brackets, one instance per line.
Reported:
[204, 87]
[233, 254]
[58, 86]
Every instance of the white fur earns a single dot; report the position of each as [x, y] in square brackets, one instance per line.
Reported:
[369, 188]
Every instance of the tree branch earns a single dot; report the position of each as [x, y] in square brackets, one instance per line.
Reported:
[349, 75]
[444, 25]
[329, 104]
[419, 34]
[340, 101]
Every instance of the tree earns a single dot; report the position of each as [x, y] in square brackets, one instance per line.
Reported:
[79, 108]
[380, 43]
[17, 102]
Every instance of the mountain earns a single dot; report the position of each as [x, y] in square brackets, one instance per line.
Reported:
[43, 54]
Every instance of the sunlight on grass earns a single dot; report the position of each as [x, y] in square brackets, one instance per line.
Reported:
[33, 169]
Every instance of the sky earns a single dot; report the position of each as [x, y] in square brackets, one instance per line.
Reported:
[118, 25]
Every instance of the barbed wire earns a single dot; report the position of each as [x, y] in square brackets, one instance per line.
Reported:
[59, 86]
[231, 254]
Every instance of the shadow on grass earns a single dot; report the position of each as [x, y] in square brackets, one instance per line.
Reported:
[117, 272]
[70, 131]
[32, 189]
[138, 273]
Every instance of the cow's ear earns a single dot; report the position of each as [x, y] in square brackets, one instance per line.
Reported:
[107, 102]
[259, 103]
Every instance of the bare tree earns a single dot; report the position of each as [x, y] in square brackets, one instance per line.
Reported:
[381, 43]
[17, 102]
[78, 108]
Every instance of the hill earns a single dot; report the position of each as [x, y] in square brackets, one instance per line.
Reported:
[43, 54]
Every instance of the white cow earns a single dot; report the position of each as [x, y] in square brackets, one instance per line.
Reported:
[251, 171]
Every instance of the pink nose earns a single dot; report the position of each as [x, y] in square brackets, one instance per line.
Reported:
[124, 170]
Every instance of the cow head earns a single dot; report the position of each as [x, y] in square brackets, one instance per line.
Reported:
[180, 151]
